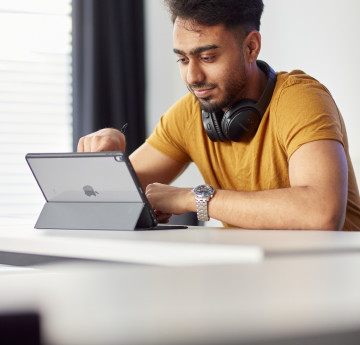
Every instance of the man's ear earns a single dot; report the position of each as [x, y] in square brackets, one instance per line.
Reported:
[252, 45]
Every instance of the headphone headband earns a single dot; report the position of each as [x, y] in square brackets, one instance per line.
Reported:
[265, 98]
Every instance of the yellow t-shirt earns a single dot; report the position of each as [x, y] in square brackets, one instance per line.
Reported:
[301, 110]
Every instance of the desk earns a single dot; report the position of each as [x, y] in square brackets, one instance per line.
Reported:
[156, 247]
[197, 245]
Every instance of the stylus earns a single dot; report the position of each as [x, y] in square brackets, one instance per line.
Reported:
[123, 128]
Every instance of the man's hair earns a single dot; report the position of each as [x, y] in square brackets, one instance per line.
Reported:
[231, 13]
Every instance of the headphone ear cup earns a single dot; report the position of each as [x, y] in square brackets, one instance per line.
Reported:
[212, 126]
[241, 121]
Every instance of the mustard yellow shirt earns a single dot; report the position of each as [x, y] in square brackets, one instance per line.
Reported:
[301, 110]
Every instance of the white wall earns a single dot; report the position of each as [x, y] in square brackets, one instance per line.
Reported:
[164, 84]
[320, 37]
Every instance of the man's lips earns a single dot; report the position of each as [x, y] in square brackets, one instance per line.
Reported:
[202, 93]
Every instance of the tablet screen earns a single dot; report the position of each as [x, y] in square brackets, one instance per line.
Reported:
[76, 177]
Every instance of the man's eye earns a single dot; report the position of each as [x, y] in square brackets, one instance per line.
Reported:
[182, 60]
[207, 58]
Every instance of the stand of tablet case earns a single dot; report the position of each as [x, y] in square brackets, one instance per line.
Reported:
[90, 216]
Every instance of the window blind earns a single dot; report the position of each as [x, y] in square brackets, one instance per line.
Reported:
[35, 95]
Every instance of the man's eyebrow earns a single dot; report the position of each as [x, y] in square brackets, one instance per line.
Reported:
[196, 50]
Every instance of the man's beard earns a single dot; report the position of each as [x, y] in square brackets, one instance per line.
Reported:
[234, 92]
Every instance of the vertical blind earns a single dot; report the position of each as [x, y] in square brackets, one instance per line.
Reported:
[35, 95]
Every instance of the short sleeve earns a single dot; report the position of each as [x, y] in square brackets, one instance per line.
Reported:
[305, 111]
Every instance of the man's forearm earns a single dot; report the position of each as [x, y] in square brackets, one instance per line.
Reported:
[287, 208]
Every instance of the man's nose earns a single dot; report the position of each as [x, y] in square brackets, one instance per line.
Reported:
[194, 73]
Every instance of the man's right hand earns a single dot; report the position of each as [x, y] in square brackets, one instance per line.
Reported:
[107, 139]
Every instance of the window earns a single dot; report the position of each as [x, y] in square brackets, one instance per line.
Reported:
[35, 95]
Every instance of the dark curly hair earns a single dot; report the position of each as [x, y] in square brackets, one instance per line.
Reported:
[231, 13]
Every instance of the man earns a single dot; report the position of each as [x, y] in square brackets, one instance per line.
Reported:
[291, 170]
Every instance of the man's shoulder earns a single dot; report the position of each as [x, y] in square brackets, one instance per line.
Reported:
[295, 77]
[303, 110]
[297, 86]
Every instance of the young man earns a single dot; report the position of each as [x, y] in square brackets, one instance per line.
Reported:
[272, 148]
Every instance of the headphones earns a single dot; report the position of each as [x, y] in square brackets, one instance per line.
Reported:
[242, 119]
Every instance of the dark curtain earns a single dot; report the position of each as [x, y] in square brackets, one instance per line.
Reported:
[109, 72]
[108, 68]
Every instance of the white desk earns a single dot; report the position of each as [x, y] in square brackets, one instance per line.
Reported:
[157, 247]
[195, 245]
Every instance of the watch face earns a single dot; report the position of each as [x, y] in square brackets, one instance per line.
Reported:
[204, 190]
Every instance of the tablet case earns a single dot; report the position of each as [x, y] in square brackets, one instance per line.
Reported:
[92, 191]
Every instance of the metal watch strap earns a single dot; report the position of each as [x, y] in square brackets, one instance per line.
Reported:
[202, 209]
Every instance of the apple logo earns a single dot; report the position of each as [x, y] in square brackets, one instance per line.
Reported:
[89, 191]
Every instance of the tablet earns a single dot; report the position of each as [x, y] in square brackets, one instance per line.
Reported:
[92, 191]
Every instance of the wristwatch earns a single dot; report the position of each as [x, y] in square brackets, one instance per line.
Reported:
[203, 194]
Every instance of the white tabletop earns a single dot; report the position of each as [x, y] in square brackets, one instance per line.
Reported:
[138, 247]
[195, 245]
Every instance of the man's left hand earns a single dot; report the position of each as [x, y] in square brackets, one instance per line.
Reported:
[167, 200]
